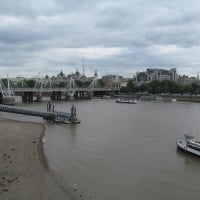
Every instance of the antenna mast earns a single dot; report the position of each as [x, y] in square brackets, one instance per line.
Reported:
[83, 66]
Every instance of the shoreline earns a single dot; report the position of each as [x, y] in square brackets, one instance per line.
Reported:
[24, 170]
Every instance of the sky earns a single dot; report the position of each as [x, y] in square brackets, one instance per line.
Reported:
[118, 37]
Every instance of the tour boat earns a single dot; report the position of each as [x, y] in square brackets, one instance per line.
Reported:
[189, 144]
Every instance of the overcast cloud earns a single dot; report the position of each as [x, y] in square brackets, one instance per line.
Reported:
[114, 36]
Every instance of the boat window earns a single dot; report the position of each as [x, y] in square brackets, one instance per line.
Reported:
[194, 147]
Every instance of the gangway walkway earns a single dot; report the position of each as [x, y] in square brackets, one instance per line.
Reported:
[49, 115]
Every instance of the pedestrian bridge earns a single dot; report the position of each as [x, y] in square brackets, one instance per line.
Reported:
[63, 89]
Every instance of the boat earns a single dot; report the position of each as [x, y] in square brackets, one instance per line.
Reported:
[126, 100]
[59, 119]
[157, 98]
[76, 121]
[169, 99]
[189, 144]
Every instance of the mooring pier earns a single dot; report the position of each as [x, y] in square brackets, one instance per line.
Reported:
[50, 114]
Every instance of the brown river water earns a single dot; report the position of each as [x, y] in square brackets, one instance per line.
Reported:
[125, 151]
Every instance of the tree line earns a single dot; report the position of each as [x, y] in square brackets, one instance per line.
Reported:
[158, 87]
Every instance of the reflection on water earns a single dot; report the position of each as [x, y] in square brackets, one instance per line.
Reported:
[123, 151]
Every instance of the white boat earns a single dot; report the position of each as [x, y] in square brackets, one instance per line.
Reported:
[126, 100]
[58, 120]
[189, 144]
[169, 100]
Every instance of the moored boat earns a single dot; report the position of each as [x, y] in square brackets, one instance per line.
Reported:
[76, 121]
[189, 144]
[59, 119]
[126, 100]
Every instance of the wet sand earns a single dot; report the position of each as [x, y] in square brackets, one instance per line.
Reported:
[24, 172]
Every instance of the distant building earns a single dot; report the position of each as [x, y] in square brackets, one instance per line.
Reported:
[124, 82]
[185, 80]
[93, 77]
[142, 77]
[111, 80]
[61, 75]
[75, 76]
[153, 74]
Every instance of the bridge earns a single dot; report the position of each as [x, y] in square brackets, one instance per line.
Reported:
[45, 87]
[43, 90]
[57, 93]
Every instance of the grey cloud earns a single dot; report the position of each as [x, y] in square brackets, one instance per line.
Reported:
[30, 29]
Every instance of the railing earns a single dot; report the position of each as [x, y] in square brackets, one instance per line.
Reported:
[62, 89]
[24, 111]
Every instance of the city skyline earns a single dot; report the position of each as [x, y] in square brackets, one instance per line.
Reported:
[114, 37]
[166, 73]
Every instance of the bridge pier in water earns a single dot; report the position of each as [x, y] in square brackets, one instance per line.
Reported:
[81, 95]
[31, 94]
[56, 95]
[1, 98]
[38, 97]
[27, 97]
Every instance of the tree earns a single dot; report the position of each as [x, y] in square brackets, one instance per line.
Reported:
[165, 86]
[5, 82]
[195, 88]
[188, 89]
[78, 83]
[130, 86]
[100, 83]
[123, 90]
[153, 85]
[30, 83]
[144, 87]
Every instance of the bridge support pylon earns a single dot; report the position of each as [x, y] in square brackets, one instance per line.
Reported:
[80, 95]
[56, 95]
[27, 97]
[1, 98]
[38, 97]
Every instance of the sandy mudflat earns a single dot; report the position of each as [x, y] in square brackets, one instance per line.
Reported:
[24, 173]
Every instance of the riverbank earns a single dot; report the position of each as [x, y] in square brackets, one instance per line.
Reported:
[24, 172]
[186, 98]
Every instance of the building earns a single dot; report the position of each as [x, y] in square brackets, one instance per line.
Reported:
[185, 80]
[75, 76]
[111, 80]
[153, 74]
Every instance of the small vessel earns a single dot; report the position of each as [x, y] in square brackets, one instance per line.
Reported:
[157, 98]
[76, 121]
[126, 100]
[189, 144]
[169, 99]
[59, 119]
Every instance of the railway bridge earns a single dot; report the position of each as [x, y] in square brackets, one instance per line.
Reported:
[43, 88]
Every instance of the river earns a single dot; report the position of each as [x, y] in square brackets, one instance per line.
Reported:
[125, 151]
